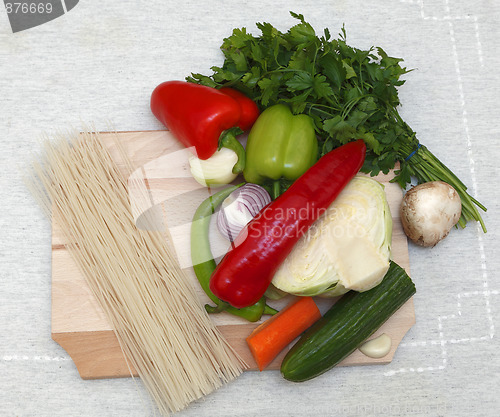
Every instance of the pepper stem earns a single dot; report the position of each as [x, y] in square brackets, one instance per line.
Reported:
[269, 310]
[219, 308]
[228, 140]
[276, 191]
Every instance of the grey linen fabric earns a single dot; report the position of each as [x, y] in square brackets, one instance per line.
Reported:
[98, 64]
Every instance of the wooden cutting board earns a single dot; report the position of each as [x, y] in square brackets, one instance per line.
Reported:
[79, 324]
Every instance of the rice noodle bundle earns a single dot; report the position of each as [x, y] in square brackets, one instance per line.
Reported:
[157, 317]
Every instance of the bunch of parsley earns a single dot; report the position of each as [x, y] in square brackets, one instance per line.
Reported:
[348, 92]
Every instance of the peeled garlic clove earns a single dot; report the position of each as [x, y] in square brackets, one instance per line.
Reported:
[378, 347]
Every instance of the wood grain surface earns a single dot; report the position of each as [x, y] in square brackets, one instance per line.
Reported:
[79, 324]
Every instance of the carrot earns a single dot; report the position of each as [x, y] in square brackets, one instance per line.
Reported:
[276, 333]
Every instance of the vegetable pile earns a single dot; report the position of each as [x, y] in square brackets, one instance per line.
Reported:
[244, 274]
[348, 92]
[318, 111]
[204, 264]
[348, 323]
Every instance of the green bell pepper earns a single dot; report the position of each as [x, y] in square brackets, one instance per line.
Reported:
[280, 146]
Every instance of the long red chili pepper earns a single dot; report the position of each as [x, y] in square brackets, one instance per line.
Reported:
[204, 117]
[244, 274]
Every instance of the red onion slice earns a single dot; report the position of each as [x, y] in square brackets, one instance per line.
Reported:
[241, 206]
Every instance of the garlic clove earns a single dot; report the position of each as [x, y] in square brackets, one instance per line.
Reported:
[378, 347]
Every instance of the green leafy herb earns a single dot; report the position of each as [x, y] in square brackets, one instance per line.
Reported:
[350, 94]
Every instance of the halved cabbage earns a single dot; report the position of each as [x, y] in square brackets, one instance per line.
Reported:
[347, 248]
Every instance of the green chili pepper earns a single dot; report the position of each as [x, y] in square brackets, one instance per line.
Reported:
[280, 146]
[204, 264]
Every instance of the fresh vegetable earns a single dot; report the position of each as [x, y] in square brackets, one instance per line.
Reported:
[241, 206]
[429, 211]
[378, 347]
[280, 146]
[204, 264]
[277, 332]
[348, 323]
[348, 248]
[216, 170]
[273, 293]
[204, 118]
[350, 93]
[244, 274]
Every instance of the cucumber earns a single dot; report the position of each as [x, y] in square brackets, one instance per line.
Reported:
[348, 323]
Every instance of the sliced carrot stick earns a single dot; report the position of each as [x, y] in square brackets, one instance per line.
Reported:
[276, 333]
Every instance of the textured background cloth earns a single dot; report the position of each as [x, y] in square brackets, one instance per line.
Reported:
[99, 63]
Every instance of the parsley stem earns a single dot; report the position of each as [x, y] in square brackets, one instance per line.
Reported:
[425, 167]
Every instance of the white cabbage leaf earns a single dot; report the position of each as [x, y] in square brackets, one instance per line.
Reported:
[347, 248]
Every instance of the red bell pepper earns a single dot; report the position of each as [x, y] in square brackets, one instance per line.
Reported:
[203, 117]
[244, 274]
